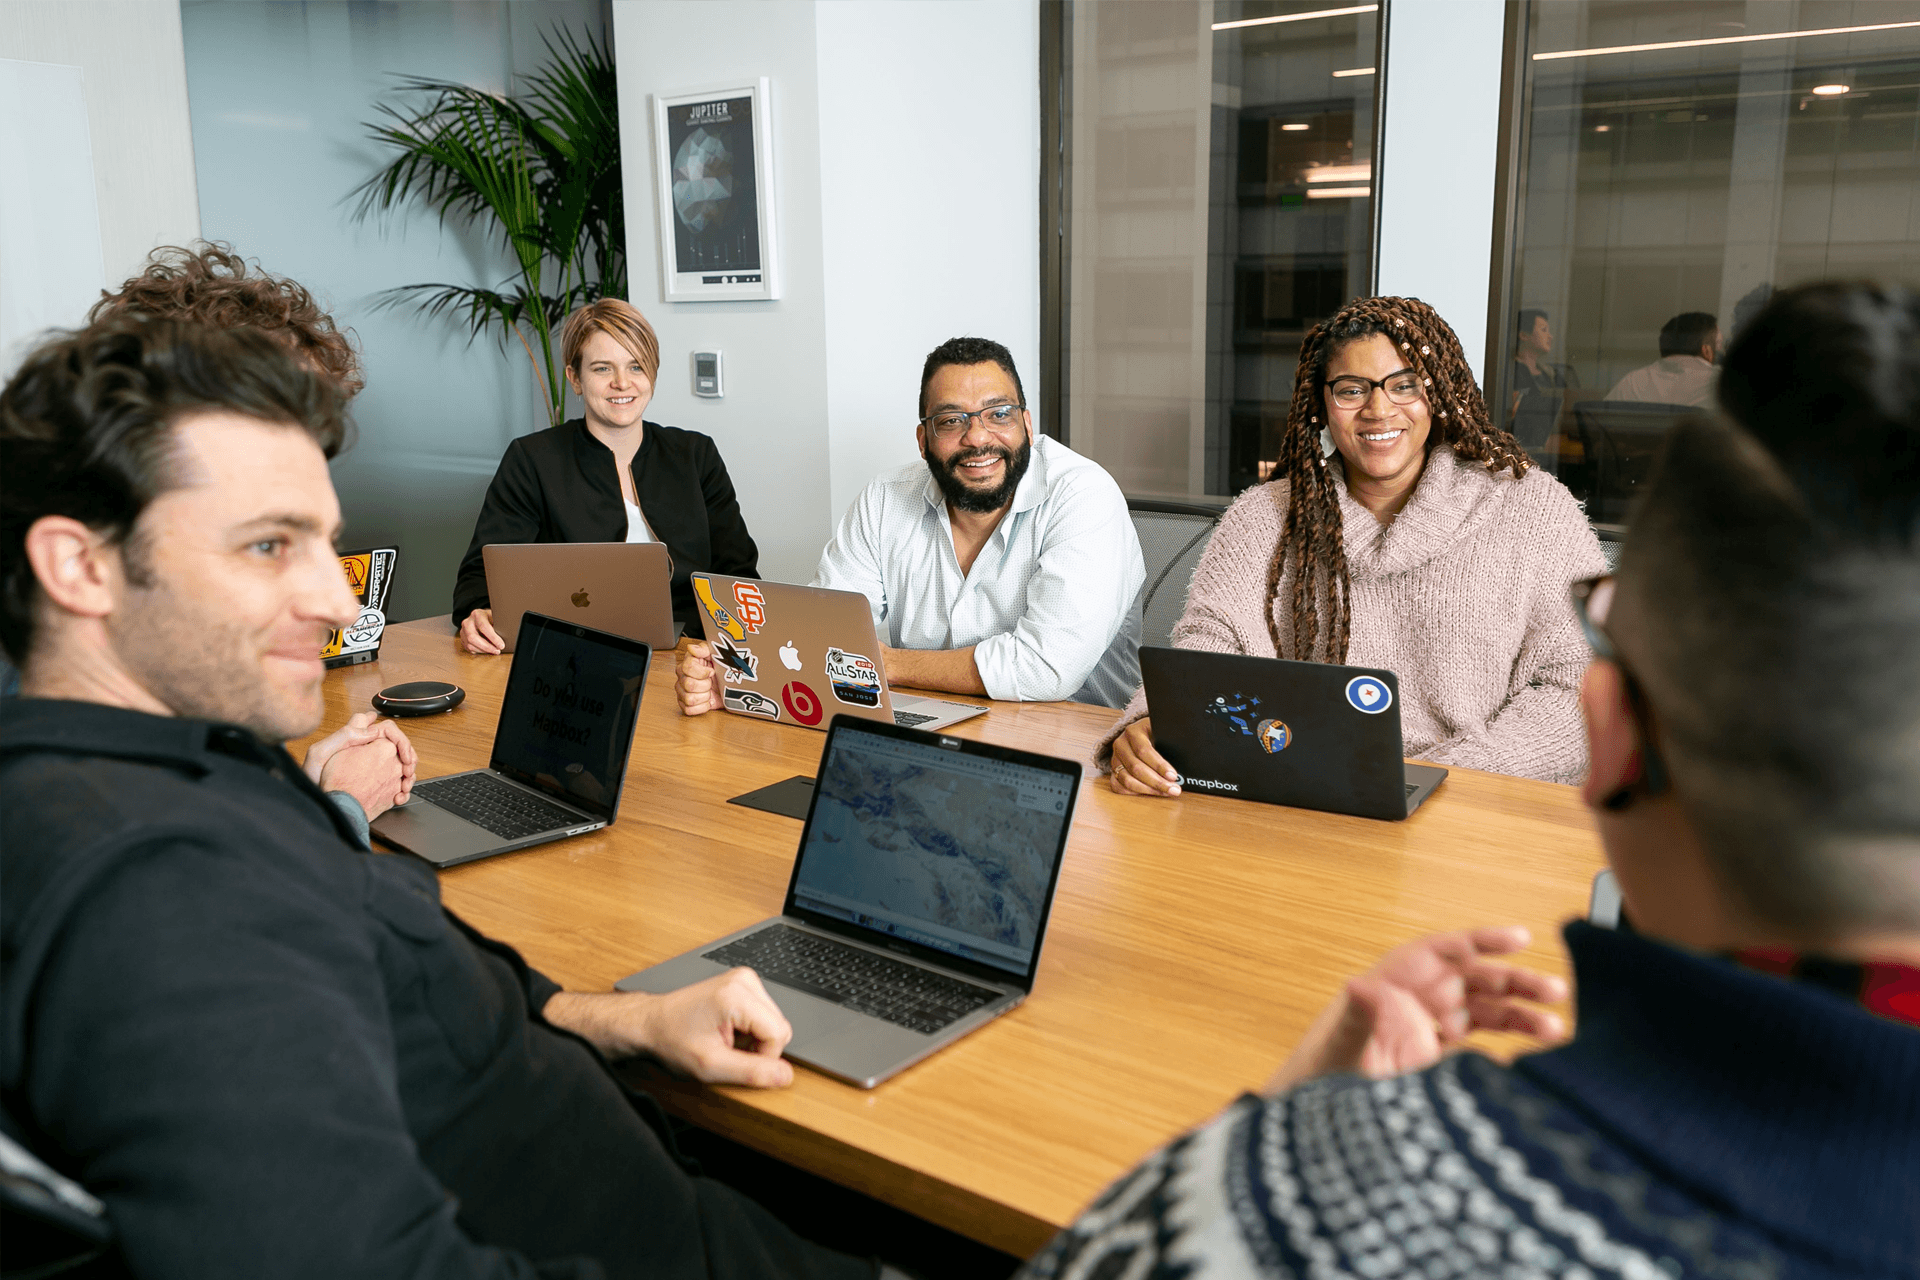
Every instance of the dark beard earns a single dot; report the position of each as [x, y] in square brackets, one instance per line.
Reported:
[964, 498]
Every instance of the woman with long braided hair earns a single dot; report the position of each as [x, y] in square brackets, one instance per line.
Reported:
[1402, 530]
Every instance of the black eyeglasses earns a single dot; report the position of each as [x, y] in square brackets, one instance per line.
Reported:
[1000, 419]
[1350, 391]
[1592, 601]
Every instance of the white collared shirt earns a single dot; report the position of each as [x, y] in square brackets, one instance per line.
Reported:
[1682, 379]
[1052, 601]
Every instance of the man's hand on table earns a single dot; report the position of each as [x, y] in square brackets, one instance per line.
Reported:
[696, 679]
[477, 634]
[369, 759]
[726, 1030]
[1422, 999]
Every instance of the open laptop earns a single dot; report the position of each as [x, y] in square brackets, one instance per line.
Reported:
[621, 587]
[1306, 734]
[798, 655]
[559, 751]
[918, 902]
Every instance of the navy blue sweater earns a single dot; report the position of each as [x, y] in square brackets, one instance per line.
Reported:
[1706, 1120]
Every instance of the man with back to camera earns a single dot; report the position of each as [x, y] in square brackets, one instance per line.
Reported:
[1690, 345]
[1740, 1098]
[1005, 566]
[267, 1051]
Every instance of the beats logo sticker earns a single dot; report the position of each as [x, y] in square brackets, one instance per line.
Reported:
[802, 703]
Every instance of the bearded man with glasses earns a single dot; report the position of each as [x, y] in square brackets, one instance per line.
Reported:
[1007, 566]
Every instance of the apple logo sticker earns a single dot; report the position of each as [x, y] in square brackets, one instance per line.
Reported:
[789, 656]
[580, 599]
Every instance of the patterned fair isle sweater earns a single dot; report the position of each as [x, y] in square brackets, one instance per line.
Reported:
[1707, 1121]
[1464, 596]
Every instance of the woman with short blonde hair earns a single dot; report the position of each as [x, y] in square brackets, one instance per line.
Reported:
[608, 475]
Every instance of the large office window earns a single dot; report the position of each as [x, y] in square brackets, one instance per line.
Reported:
[1220, 198]
[1674, 164]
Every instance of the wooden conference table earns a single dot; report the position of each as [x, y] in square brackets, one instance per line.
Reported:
[1191, 942]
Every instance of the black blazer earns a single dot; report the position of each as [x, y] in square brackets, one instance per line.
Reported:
[559, 485]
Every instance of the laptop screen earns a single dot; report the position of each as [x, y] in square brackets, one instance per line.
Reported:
[566, 723]
[921, 842]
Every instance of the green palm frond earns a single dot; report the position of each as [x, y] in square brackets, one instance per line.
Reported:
[541, 172]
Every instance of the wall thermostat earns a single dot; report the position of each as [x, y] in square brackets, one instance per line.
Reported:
[706, 375]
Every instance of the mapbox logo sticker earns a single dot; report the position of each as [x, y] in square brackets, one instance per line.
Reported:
[753, 605]
[803, 704]
[853, 678]
[1369, 695]
[1274, 737]
[747, 702]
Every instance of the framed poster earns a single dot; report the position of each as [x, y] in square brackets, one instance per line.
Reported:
[713, 170]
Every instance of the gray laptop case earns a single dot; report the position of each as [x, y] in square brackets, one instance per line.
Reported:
[918, 902]
[1306, 734]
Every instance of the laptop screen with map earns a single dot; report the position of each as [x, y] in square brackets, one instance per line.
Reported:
[955, 851]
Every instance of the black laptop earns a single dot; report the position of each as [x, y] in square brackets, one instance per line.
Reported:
[559, 751]
[1306, 734]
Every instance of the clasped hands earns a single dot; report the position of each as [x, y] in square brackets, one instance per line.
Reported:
[1402, 1015]
[369, 759]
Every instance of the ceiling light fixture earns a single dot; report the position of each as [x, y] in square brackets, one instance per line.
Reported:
[1334, 193]
[1831, 90]
[1353, 71]
[1295, 128]
[1695, 44]
[1603, 128]
[1340, 173]
[1296, 17]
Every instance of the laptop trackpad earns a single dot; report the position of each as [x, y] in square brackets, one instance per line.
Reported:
[813, 1020]
[420, 826]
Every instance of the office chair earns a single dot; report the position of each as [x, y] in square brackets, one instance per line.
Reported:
[1172, 536]
[1621, 440]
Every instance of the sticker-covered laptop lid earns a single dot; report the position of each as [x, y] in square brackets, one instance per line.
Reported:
[791, 654]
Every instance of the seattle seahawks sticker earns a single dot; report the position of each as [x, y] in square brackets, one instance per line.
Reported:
[1369, 695]
[747, 702]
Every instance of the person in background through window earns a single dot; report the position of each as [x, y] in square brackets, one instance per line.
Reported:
[1684, 374]
[608, 476]
[1537, 385]
[1421, 539]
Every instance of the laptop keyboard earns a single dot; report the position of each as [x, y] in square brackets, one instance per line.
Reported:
[487, 802]
[908, 719]
[904, 994]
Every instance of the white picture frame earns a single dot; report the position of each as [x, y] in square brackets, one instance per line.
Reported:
[715, 193]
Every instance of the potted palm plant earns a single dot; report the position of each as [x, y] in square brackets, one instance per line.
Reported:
[540, 169]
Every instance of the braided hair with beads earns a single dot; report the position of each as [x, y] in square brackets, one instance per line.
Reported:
[1313, 541]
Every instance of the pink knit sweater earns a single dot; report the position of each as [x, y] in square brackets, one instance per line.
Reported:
[1464, 597]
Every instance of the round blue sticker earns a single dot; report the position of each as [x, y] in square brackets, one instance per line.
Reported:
[1369, 695]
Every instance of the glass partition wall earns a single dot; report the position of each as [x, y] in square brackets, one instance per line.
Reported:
[1675, 164]
[1221, 203]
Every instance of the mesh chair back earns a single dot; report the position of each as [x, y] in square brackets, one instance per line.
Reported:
[1172, 536]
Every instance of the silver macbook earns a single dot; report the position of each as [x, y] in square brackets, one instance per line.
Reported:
[622, 587]
[800, 655]
[918, 901]
[559, 751]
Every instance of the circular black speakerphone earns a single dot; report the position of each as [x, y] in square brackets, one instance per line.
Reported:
[418, 698]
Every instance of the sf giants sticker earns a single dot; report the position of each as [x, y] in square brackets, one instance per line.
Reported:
[753, 606]
[747, 702]
[853, 678]
[1369, 695]
[803, 704]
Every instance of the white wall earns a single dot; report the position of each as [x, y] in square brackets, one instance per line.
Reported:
[907, 147]
[1440, 151]
[133, 76]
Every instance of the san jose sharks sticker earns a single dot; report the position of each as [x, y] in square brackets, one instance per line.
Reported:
[853, 678]
[1368, 694]
[737, 664]
[747, 702]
